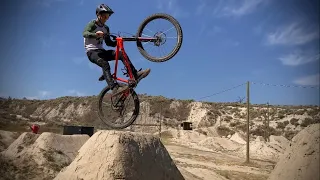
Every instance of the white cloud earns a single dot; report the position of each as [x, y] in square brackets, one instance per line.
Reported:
[237, 9]
[32, 97]
[172, 7]
[299, 57]
[40, 95]
[311, 80]
[293, 34]
[200, 8]
[44, 94]
[246, 7]
[75, 93]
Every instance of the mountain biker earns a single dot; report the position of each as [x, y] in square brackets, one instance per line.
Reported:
[94, 33]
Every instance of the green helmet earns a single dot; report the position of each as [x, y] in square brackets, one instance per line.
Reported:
[102, 8]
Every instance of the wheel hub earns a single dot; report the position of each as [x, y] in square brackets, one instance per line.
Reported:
[161, 38]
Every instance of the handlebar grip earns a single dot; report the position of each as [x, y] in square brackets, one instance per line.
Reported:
[113, 37]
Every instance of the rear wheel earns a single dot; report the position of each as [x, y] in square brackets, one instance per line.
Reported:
[111, 108]
[164, 37]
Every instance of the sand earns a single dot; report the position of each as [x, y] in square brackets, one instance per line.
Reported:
[301, 159]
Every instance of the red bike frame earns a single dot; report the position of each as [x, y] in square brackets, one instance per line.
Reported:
[120, 47]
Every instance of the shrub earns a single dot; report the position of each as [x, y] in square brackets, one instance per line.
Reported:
[236, 123]
[307, 121]
[294, 122]
[242, 127]
[259, 131]
[281, 125]
[227, 118]
[224, 131]
[273, 131]
[290, 134]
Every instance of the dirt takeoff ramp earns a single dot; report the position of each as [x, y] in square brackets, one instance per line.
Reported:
[301, 159]
[121, 155]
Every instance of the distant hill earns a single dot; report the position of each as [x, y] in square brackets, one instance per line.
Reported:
[227, 118]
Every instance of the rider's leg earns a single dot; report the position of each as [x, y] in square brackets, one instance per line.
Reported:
[111, 55]
[137, 74]
[98, 57]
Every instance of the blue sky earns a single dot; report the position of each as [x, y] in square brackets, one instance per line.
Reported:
[226, 43]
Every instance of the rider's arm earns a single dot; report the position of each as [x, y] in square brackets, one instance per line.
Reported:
[87, 33]
[108, 41]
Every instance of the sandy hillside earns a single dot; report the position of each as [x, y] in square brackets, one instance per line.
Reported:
[121, 155]
[35, 156]
[301, 159]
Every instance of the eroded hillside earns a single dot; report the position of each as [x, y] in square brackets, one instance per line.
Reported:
[227, 118]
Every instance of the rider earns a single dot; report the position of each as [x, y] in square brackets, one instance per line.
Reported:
[94, 33]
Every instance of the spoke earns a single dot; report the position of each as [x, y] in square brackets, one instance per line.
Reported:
[146, 35]
[167, 30]
[149, 30]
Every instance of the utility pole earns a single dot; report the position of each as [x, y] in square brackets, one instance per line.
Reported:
[268, 135]
[248, 119]
[160, 119]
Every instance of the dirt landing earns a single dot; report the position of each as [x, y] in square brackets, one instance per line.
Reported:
[300, 160]
[34, 156]
[121, 155]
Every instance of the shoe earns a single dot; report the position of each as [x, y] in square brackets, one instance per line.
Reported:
[142, 74]
[101, 78]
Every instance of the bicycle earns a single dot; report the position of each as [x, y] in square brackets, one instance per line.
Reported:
[158, 39]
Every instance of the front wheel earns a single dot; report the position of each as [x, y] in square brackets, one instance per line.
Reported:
[163, 35]
[111, 110]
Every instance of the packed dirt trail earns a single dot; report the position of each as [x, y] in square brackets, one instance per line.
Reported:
[217, 165]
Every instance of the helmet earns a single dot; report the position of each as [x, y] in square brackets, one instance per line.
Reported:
[102, 8]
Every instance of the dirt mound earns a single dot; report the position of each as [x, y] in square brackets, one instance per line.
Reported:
[260, 149]
[219, 144]
[301, 158]
[6, 138]
[34, 156]
[236, 137]
[121, 155]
